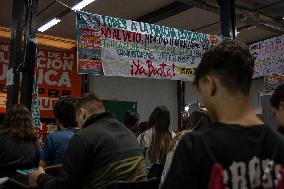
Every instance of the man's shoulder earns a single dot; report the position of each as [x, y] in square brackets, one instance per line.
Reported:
[57, 134]
[102, 128]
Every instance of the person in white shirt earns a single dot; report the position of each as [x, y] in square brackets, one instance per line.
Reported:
[155, 142]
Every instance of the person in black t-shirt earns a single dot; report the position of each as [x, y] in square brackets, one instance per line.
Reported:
[237, 150]
[277, 103]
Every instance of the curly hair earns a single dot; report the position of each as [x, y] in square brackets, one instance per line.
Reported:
[18, 122]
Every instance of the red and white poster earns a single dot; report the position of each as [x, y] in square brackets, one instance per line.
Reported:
[57, 76]
[4, 60]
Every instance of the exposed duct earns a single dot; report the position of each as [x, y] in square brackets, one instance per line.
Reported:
[244, 15]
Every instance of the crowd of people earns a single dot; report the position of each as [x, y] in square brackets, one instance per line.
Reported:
[226, 146]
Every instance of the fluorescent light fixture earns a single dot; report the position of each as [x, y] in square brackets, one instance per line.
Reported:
[49, 24]
[283, 17]
[82, 4]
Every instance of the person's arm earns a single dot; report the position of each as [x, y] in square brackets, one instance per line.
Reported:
[37, 157]
[47, 152]
[181, 172]
[44, 163]
[74, 169]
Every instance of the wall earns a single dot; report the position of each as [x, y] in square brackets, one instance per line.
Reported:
[148, 93]
[256, 89]
[191, 94]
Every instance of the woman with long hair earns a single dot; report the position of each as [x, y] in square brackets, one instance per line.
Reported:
[196, 121]
[156, 141]
[19, 147]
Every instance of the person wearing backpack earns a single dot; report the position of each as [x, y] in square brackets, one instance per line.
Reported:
[238, 150]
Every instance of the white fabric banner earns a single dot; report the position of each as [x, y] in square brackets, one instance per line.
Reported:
[135, 49]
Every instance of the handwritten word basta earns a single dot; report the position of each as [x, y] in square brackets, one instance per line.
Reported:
[151, 70]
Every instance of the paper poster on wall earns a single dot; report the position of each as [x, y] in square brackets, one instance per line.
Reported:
[56, 76]
[269, 55]
[4, 60]
[142, 50]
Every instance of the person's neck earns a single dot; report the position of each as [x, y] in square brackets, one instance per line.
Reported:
[68, 128]
[236, 110]
[90, 114]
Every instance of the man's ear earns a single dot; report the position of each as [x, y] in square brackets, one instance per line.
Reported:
[281, 106]
[211, 84]
[273, 111]
[83, 113]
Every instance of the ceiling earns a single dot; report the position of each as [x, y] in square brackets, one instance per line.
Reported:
[163, 12]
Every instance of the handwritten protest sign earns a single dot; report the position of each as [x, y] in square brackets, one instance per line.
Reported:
[89, 52]
[272, 81]
[56, 76]
[269, 55]
[135, 49]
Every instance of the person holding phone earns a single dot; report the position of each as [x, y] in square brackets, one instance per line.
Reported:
[19, 147]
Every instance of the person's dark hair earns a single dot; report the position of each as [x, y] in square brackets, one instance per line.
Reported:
[90, 102]
[277, 97]
[232, 63]
[65, 112]
[144, 126]
[131, 118]
[196, 121]
[18, 121]
[161, 137]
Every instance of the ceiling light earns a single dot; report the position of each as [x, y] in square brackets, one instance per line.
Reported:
[49, 24]
[82, 4]
[237, 33]
[186, 108]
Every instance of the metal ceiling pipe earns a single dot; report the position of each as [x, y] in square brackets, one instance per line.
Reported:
[244, 15]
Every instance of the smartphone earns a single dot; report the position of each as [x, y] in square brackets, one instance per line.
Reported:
[25, 172]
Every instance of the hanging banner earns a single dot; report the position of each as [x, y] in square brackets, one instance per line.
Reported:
[35, 106]
[89, 52]
[135, 49]
[272, 81]
[56, 76]
[269, 56]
